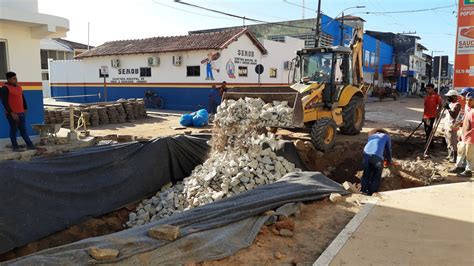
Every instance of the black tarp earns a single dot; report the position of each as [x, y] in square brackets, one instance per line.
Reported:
[46, 195]
[212, 231]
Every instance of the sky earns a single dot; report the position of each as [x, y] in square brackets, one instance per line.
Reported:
[133, 19]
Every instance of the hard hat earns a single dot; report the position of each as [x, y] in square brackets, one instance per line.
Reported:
[466, 91]
[451, 93]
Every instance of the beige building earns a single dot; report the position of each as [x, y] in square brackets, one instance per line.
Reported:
[21, 29]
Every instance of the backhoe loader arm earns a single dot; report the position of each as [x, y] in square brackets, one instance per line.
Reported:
[356, 47]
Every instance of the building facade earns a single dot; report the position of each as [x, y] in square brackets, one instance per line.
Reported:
[407, 51]
[376, 52]
[57, 49]
[180, 69]
[21, 29]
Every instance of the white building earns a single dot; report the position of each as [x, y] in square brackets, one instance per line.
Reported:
[21, 29]
[180, 69]
[57, 49]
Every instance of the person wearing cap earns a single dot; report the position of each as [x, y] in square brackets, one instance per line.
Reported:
[377, 149]
[467, 135]
[461, 162]
[451, 127]
[432, 107]
[15, 106]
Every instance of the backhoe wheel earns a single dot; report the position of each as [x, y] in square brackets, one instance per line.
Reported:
[353, 116]
[323, 134]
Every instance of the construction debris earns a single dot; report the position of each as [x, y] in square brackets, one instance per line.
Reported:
[350, 187]
[335, 197]
[164, 232]
[239, 161]
[103, 253]
[286, 233]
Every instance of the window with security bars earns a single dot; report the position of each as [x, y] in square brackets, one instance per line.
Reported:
[145, 71]
[3, 58]
[243, 71]
[273, 72]
[193, 71]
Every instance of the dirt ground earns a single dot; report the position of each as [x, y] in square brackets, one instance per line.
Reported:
[317, 225]
[158, 124]
[319, 222]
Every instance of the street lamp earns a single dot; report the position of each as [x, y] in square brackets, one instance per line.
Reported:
[342, 22]
[318, 19]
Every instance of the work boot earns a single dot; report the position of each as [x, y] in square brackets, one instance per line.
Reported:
[453, 158]
[455, 170]
[450, 154]
[31, 147]
[466, 173]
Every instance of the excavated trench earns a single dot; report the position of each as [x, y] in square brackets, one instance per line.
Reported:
[341, 164]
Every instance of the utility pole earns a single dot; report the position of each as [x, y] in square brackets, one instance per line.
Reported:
[302, 9]
[317, 32]
[341, 42]
[439, 75]
[88, 34]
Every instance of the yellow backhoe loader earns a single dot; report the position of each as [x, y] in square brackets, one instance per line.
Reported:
[328, 94]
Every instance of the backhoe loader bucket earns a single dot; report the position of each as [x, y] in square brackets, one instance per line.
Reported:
[268, 95]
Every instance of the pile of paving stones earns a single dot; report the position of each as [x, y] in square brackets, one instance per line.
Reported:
[120, 112]
[243, 163]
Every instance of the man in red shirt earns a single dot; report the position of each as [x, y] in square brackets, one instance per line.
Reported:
[15, 107]
[468, 136]
[433, 105]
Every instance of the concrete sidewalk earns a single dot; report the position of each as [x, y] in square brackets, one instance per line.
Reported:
[421, 226]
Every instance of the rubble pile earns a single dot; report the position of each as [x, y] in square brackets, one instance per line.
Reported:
[421, 171]
[244, 161]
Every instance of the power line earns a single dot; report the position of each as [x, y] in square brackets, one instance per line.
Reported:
[240, 17]
[298, 5]
[406, 11]
[187, 11]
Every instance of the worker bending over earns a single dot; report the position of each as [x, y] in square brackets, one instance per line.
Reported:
[433, 105]
[378, 147]
[451, 127]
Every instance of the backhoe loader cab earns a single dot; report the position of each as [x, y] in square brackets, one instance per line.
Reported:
[328, 66]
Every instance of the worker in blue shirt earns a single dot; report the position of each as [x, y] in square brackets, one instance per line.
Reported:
[214, 99]
[378, 147]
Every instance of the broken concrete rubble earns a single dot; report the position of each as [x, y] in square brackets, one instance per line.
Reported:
[286, 233]
[350, 187]
[335, 197]
[164, 232]
[103, 253]
[239, 160]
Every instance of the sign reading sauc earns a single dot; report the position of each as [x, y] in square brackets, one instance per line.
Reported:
[128, 71]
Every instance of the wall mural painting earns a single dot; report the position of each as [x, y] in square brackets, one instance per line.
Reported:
[230, 68]
[209, 61]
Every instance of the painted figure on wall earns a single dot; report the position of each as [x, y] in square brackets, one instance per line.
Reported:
[209, 61]
[230, 68]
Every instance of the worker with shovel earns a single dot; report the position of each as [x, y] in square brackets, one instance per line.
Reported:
[433, 106]
[451, 127]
